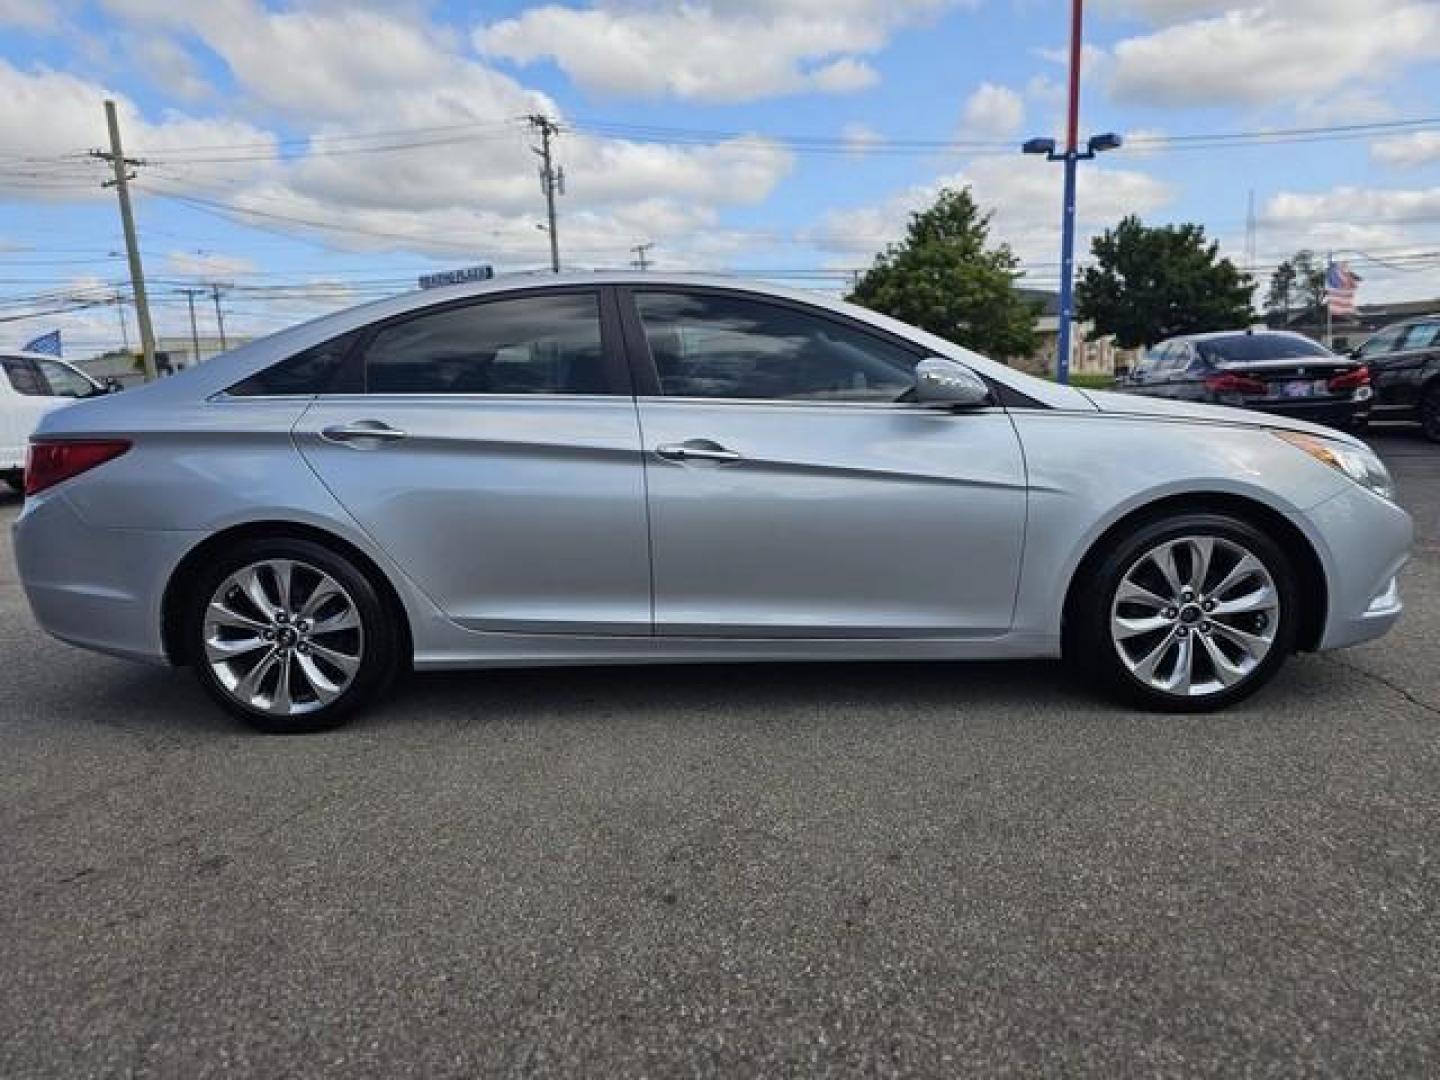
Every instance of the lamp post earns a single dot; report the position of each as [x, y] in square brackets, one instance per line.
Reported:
[1067, 231]
[1072, 156]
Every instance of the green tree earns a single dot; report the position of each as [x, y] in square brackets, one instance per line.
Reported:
[1298, 284]
[943, 277]
[1148, 284]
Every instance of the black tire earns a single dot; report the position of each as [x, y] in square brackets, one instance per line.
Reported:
[15, 478]
[1094, 653]
[379, 658]
[1430, 412]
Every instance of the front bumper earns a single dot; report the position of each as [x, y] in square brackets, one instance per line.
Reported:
[95, 587]
[1363, 542]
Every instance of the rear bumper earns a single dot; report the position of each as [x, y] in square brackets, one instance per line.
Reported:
[1329, 413]
[94, 587]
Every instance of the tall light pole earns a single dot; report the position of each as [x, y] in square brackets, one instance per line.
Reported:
[1071, 156]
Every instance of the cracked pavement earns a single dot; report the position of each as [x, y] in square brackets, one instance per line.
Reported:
[928, 869]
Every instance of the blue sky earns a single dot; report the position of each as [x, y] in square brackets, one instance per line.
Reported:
[316, 153]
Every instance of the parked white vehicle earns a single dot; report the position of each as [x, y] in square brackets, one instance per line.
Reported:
[33, 385]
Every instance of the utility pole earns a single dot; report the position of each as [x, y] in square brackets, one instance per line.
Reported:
[124, 330]
[640, 262]
[190, 295]
[552, 180]
[219, 317]
[1072, 155]
[122, 166]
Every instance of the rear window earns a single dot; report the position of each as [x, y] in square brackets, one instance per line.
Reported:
[313, 371]
[1250, 348]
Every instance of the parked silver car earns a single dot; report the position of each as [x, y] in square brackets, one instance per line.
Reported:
[624, 468]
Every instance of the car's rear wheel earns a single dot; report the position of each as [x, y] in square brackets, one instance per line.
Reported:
[1187, 614]
[289, 636]
[1430, 413]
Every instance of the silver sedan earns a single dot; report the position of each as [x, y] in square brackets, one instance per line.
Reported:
[619, 469]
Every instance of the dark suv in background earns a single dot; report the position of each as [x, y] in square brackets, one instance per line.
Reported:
[1404, 363]
[1272, 371]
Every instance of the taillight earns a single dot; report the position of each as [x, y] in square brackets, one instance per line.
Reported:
[1234, 384]
[1351, 380]
[51, 461]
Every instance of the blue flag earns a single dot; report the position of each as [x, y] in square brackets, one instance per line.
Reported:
[49, 344]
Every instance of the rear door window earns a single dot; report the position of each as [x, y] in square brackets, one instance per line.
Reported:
[524, 345]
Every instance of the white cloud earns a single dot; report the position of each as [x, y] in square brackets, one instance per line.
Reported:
[1273, 51]
[993, 112]
[1024, 195]
[1163, 11]
[1355, 106]
[860, 139]
[1408, 151]
[720, 50]
[1343, 206]
[1386, 223]
[28, 14]
[465, 176]
[166, 63]
[209, 265]
[55, 115]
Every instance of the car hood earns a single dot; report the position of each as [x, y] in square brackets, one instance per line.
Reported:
[1162, 409]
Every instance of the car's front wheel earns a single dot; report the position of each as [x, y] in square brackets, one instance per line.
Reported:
[1186, 614]
[289, 635]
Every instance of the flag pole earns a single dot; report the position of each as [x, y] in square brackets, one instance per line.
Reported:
[1329, 310]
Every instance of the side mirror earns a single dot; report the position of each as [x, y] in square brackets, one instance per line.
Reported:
[113, 385]
[944, 382]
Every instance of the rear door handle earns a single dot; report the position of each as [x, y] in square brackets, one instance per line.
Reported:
[362, 429]
[696, 450]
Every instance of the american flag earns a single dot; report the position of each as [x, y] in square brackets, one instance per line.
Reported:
[49, 344]
[1340, 285]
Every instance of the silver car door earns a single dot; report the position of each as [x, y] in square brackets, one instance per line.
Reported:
[494, 454]
[791, 495]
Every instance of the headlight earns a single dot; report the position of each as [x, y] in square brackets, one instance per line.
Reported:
[1358, 464]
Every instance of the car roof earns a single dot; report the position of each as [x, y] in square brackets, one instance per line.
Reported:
[1218, 335]
[230, 367]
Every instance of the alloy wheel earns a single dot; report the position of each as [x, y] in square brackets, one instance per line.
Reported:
[283, 637]
[1195, 616]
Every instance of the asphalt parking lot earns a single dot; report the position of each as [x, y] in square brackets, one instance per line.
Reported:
[888, 869]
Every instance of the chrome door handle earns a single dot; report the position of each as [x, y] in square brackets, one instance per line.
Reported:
[362, 429]
[691, 452]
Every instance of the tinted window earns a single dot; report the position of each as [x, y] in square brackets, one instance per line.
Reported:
[1422, 336]
[719, 346]
[313, 371]
[64, 381]
[1247, 348]
[529, 345]
[23, 377]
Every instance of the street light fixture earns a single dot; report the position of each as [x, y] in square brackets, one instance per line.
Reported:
[1097, 144]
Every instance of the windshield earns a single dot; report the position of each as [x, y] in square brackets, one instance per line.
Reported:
[1249, 348]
